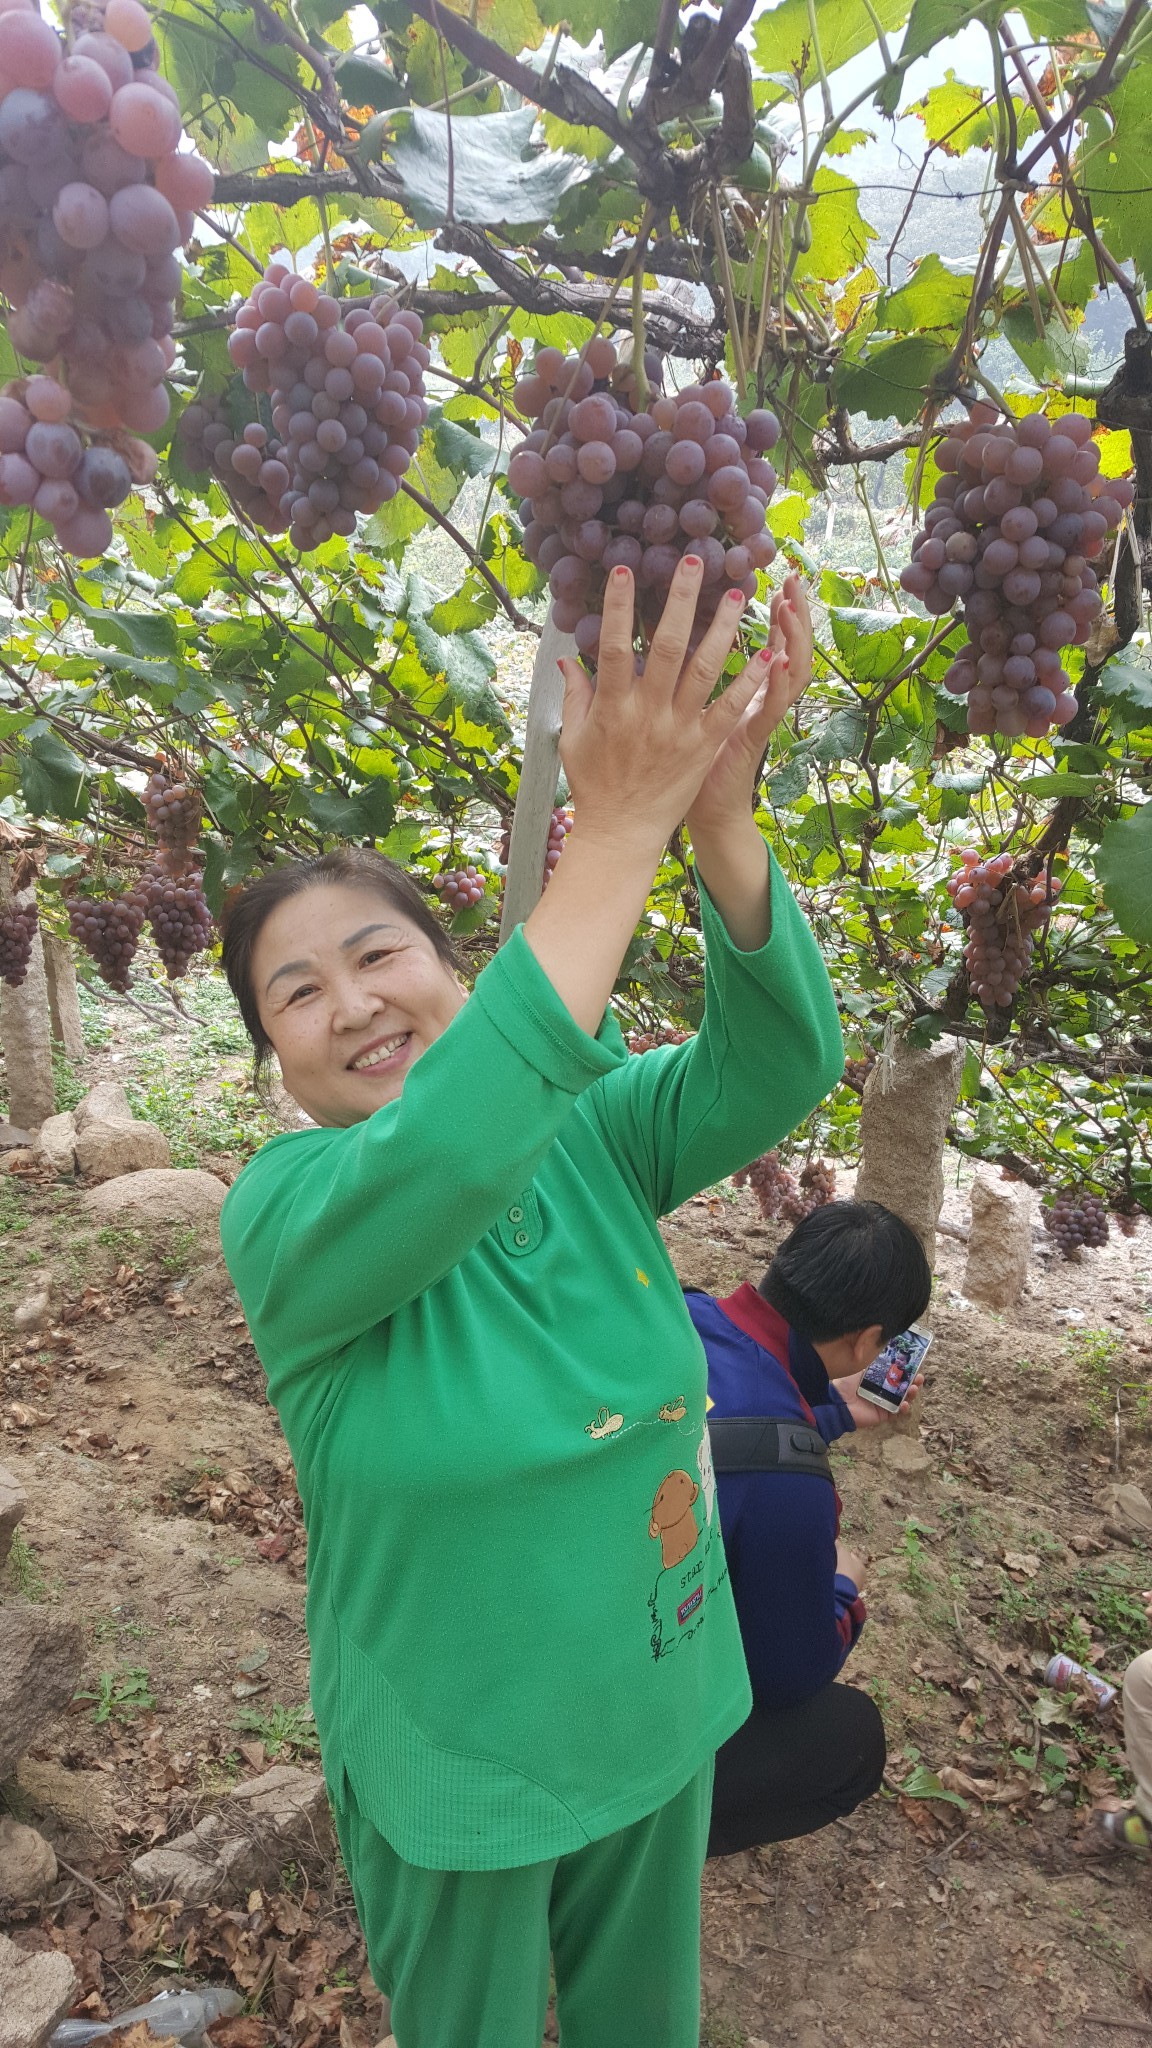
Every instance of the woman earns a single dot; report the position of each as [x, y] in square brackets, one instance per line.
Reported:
[524, 1648]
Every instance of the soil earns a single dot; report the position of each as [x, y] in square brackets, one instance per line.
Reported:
[162, 1506]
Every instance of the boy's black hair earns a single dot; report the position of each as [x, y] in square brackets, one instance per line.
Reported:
[845, 1267]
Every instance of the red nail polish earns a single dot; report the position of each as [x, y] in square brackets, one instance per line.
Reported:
[620, 574]
[692, 562]
[735, 597]
[765, 654]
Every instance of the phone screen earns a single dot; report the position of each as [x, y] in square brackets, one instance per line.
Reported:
[890, 1375]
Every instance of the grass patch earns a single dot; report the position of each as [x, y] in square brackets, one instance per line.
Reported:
[24, 1571]
[285, 1731]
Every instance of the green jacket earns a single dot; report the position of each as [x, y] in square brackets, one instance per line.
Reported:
[521, 1629]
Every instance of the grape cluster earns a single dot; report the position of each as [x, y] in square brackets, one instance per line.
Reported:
[347, 412]
[109, 931]
[856, 1072]
[461, 888]
[664, 1034]
[1002, 921]
[777, 1192]
[1076, 1218]
[17, 931]
[605, 486]
[178, 915]
[817, 1186]
[96, 196]
[172, 806]
[1020, 514]
[559, 826]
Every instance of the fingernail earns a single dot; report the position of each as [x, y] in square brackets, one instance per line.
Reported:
[735, 597]
[765, 654]
[693, 562]
[621, 574]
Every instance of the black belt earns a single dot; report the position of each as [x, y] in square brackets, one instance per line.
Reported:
[768, 1443]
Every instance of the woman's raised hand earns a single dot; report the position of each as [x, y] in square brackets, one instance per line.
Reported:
[727, 792]
[636, 749]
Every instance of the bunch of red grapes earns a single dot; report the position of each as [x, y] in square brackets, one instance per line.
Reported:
[1002, 921]
[1020, 514]
[1076, 1219]
[777, 1192]
[177, 912]
[96, 196]
[172, 806]
[17, 931]
[348, 408]
[461, 888]
[109, 930]
[559, 826]
[605, 486]
[664, 1034]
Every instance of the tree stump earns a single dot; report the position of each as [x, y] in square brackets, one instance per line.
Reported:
[908, 1100]
[26, 1034]
[63, 1002]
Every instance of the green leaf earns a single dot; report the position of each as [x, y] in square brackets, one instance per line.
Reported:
[458, 448]
[52, 778]
[365, 82]
[1128, 680]
[1124, 864]
[1119, 200]
[934, 297]
[921, 1783]
[930, 22]
[955, 116]
[1061, 785]
[622, 23]
[791, 781]
[840, 233]
[149, 634]
[783, 38]
[892, 380]
[842, 737]
[476, 167]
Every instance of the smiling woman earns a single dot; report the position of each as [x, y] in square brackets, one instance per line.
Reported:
[524, 1648]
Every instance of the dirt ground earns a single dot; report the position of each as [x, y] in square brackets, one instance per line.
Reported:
[162, 1507]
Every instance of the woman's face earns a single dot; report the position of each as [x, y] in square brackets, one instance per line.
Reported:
[350, 993]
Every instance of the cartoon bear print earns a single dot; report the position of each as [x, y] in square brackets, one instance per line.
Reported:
[673, 1521]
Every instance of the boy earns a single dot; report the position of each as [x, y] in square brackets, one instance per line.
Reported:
[850, 1277]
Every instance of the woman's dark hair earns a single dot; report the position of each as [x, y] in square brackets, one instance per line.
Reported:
[356, 867]
[845, 1267]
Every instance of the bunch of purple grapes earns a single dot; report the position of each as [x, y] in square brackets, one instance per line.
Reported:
[109, 930]
[1002, 922]
[208, 440]
[665, 1034]
[1020, 514]
[817, 1186]
[461, 888]
[1077, 1218]
[172, 806]
[17, 931]
[96, 196]
[348, 407]
[559, 826]
[177, 913]
[780, 1197]
[604, 486]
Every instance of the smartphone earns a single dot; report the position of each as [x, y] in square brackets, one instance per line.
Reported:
[889, 1376]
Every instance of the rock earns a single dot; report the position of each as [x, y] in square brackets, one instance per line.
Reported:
[13, 1506]
[27, 1861]
[33, 1311]
[63, 1001]
[280, 1817]
[904, 1455]
[999, 1241]
[35, 1992]
[907, 1102]
[83, 1798]
[43, 1653]
[172, 1194]
[11, 1137]
[106, 1103]
[56, 1142]
[106, 1150]
[1128, 1514]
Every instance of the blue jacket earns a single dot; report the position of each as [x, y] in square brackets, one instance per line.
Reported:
[799, 1618]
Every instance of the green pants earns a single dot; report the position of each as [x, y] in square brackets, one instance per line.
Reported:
[464, 1955]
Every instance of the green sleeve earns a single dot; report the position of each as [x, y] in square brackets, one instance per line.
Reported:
[769, 1049]
[327, 1232]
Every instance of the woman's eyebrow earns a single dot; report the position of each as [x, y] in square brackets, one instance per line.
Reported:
[289, 967]
[363, 933]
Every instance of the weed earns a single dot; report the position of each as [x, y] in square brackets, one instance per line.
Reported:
[717, 2032]
[68, 1089]
[1052, 1765]
[125, 1245]
[120, 1695]
[912, 1550]
[182, 1248]
[1096, 1355]
[284, 1731]
[24, 1569]
[117, 1627]
[881, 1692]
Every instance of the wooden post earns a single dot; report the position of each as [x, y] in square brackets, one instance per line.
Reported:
[26, 1035]
[539, 775]
[63, 1002]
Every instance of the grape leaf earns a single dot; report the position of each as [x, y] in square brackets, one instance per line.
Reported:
[475, 168]
[930, 22]
[1129, 681]
[934, 297]
[1124, 865]
[891, 381]
[783, 38]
